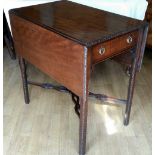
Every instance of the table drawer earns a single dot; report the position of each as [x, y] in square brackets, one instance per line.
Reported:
[113, 47]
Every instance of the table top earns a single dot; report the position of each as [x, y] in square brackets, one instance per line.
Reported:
[85, 25]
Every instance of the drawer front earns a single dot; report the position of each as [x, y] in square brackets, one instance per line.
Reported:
[113, 47]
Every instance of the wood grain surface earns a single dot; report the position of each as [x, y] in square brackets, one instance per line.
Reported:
[85, 25]
[57, 56]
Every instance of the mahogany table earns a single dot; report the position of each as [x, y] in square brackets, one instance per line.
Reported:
[65, 40]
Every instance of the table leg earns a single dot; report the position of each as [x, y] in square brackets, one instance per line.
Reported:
[83, 125]
[130, 92]
[24, 79]
[137, 59]
[84, 102]
[142, 48]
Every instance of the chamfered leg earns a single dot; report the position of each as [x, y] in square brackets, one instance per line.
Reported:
[136, 65]
[83, 125]
[84, 102]
[24, 79]
[130, 92]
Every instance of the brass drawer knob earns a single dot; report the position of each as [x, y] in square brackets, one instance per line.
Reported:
[101, 51]
[129, 40]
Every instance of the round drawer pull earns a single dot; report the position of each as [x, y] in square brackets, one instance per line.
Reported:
[101, 51]
[129, 40]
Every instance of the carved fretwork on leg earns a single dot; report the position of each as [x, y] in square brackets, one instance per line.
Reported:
[50, 86]
[108, 99]
[75, 99]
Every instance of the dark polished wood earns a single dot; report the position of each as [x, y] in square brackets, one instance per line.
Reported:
[114, 47]
[82, 24]
[65, 40]
[50, 52]
[24, 79]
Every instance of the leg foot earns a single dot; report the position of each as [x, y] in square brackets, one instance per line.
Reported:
[126, 120]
